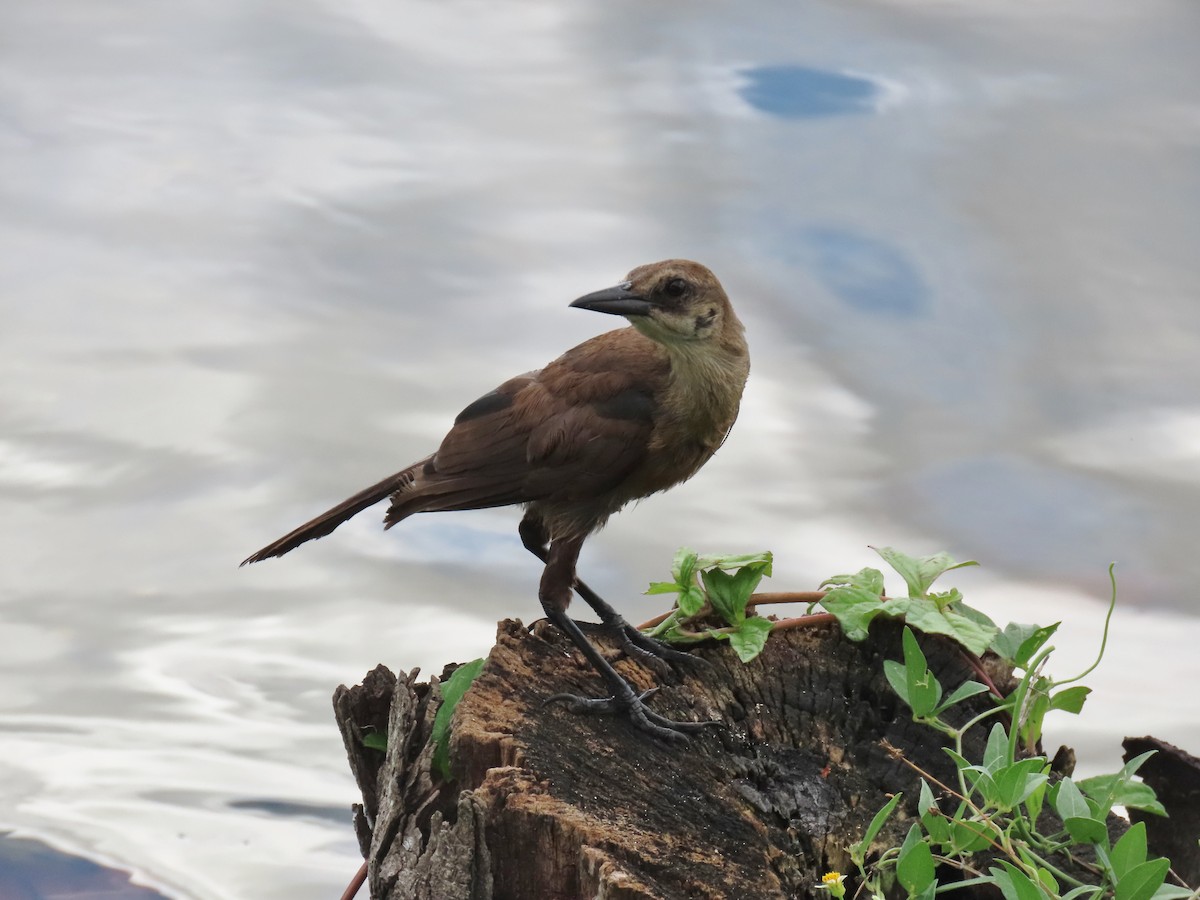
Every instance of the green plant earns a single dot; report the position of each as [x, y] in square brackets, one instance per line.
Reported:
[452, 691]
[720, 585]
[999, 803]
[857, 599]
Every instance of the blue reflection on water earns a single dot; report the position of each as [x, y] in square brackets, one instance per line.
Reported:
[29, 868]
[869, 274]
[796, 92]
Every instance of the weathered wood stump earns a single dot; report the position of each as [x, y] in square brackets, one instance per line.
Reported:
[547, 804]
[1175, 776]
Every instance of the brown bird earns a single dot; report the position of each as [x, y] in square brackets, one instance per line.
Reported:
[624, 415]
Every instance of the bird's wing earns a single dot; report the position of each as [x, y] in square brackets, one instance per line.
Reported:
[573, 429]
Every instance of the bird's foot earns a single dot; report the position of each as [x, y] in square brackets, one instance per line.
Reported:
[650, 652]
[642, 717]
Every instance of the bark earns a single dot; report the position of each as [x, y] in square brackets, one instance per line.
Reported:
[548, 804]
[1175, 777]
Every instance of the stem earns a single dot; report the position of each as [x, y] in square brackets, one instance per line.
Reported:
[1112, 604]
[1020, 695]
[977, 664]
[804, 621]
[764, 599]
[767, 597]
[356, 882]
[1055, 870]
[896, 753]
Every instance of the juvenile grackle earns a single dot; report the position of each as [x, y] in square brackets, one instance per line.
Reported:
[626, 414]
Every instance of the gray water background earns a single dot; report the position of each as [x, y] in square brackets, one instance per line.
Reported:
[257, 255]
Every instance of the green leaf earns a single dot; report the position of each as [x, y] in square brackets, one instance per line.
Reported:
[959, 694]
[1069, 802]
[730, 580]
[1029, 647]
[1120, 788]
[869, 580]
[1035, 801]
[896, 675]
[897, 607]
[859, 851]
[725, 595]
[1049, 882]
[683, 567]
[1015, 884]
[914, 868]
[1018, 781]
[750, 638]
[1003, 881]
[1018, 643]
[758, 562]
[691, 600]
[1142, 881]
[452, 691]
[935, 825]
[1171, 892]
[924, 692]
[1078, 815]
[937, 828]
[925, 801]
[1035, 714]
[995, 754]
[1070, 699]
[970, 836]
[376, 740]
[944, 599]
[747, 577]
[1085, 830]
[1129, 851]
[925, 615]
[663, 587]
[979, 618]
[1084, 890]
[854, 608]
[1005, 643]
[920, 572]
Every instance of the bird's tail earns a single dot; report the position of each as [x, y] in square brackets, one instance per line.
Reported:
[331, 519]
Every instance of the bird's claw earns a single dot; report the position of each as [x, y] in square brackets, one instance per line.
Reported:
[642, 717]
[598, 705]
[650, 652]
[642, 647]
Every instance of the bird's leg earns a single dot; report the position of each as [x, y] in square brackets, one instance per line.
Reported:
[636, 645]
[642, 647]
[555, 593]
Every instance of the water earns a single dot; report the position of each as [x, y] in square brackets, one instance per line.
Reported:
[258, 256]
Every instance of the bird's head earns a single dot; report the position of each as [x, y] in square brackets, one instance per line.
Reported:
[672, 301]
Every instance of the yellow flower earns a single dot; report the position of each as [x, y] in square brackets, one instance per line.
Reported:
[832, 882]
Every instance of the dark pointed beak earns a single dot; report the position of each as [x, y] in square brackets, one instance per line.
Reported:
[618, 301]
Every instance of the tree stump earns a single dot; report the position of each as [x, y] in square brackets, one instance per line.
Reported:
[1175, 776]
[549, 804]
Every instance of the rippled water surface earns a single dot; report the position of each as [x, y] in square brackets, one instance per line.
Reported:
[258, 255]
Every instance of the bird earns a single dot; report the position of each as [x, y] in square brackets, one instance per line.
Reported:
[626, 414]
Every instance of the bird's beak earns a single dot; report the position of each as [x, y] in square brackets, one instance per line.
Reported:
[618, 301]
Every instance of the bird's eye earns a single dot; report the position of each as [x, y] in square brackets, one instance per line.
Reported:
[676, 287]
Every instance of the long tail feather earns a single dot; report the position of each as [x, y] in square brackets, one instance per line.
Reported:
[331, 519]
